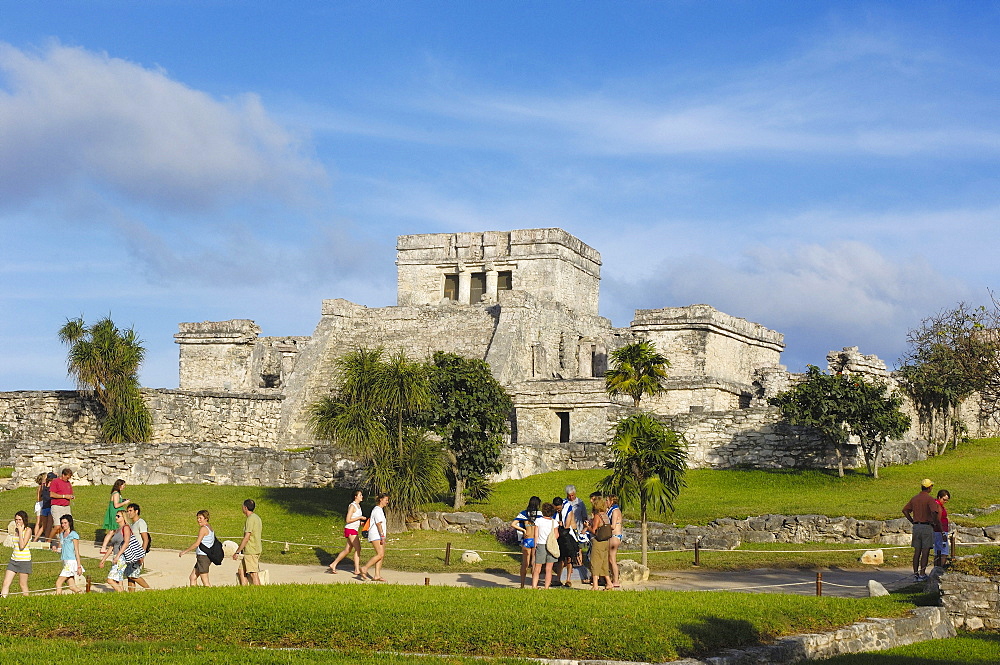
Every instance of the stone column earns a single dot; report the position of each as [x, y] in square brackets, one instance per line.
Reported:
[491, 285]
[585, 359]
[464, 285]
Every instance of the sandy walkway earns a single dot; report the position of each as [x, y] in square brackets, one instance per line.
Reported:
[164, 569]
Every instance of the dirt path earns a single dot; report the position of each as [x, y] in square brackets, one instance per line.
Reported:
[164, 570]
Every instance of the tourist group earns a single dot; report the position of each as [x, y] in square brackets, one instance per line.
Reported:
[126, 542]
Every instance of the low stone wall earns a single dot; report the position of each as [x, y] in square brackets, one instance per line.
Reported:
[191, 463]
[972, 602]
[728, 533]
[228, 419]
[923, 624]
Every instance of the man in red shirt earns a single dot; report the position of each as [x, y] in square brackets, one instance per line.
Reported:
[61, 492]
[924, 513]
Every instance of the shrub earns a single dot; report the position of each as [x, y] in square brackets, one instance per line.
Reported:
[506, 535]
[986, 564]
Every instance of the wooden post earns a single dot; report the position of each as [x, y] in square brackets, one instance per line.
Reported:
[447, 555]
[953, 547]
[819, 584]
[697, 552]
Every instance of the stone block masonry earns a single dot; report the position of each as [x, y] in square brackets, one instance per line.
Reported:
[188, 463]
[973, 602]
[923, 623]
[179, 416]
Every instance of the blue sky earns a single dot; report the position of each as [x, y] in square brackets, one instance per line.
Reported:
[829, 170]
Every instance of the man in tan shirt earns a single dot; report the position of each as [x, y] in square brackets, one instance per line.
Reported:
[924, 513]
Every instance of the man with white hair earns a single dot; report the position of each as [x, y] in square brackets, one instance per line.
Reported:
[579, 508]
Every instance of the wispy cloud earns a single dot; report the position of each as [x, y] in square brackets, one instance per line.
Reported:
[70, 116]
[851, 92]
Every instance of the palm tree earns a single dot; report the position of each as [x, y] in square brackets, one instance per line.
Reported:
[403, 387]
[638, 370]
[106, 361]
[648, 467]
[371, 414]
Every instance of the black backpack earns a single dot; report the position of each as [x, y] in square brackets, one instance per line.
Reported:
[214, 553]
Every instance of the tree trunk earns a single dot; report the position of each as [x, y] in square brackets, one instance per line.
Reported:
[869, 460]
[840, 460]
[395, 521]
[644, 538]
[878, 461]
[459, 491]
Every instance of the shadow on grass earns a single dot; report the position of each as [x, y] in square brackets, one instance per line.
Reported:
[324, 557]
[713, 634]
[831, 473]
[310, 501]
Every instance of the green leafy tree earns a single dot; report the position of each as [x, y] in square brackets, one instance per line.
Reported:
[105, 362]
[637, 370]
[470, 413]
[818, 403]
[838, 405]
[874, 415]
[648, 468]
[374, 414]
[952, 356]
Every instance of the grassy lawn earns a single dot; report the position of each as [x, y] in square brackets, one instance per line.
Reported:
[314, 517]
[88, 652]
[966, 649]
[969, 473]
[401, 619]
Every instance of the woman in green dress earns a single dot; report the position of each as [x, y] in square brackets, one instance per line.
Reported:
[116, 503]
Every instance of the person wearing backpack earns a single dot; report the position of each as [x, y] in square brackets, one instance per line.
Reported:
[545, 554]
[133, 573]
[205, 544]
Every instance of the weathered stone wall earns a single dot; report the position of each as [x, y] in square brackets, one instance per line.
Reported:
[216, 354]
[922, 624]
[189, 463]
[972, 602]
[549, 263]
[345, 326]
[695, 395]
[702, 341]
[729, 533]
[521, 461]
[224, 418]
[756, 437]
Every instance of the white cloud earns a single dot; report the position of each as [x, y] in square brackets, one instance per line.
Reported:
[839, 294]
[70, 117]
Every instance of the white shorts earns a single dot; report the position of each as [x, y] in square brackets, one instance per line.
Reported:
[70, 569]
[941, 543]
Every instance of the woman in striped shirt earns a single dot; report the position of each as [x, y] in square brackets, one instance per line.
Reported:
[20, 558]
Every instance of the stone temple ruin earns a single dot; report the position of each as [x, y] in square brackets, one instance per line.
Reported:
[526, 301]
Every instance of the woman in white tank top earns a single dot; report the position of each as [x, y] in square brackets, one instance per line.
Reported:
[352, 528]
